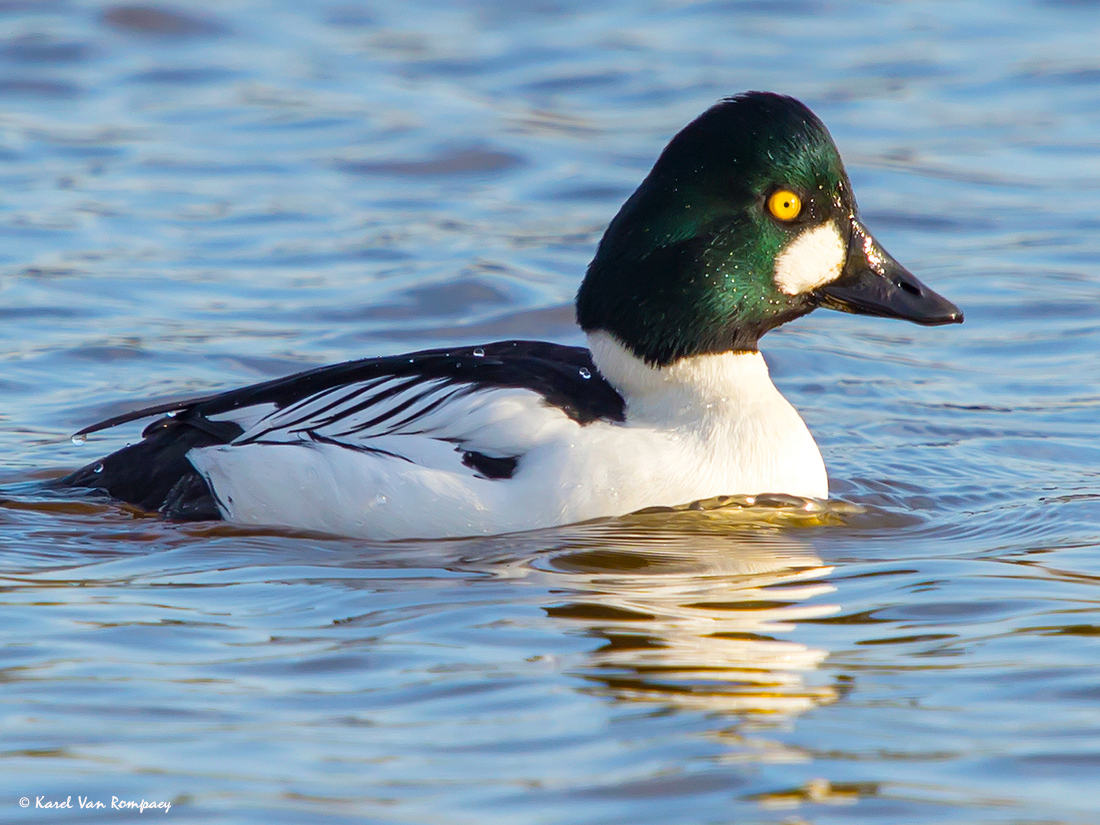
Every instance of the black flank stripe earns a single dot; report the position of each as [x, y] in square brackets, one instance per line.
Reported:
[375, 399]
[404, 405]
[496, 469]
[280, 423]
[310, 419]
[309, 400]
[459, 392]
[359, 448]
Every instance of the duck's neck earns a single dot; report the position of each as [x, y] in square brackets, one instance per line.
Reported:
[724, 413]
[698, 386]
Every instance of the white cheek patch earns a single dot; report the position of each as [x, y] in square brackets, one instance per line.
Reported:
[815, 258]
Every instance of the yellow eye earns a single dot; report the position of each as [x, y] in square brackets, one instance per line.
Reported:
[784, 204]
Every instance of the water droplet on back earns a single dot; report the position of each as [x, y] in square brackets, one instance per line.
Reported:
[479, 353]
[585, 373]
[98, 468]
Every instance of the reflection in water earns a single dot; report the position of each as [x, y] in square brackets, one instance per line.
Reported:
[197, 195]
[690, 607]
[690, 604]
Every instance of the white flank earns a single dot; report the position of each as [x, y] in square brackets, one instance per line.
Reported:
[704, 426]
[813, 259]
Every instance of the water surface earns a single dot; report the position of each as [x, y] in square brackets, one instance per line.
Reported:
[195, 198]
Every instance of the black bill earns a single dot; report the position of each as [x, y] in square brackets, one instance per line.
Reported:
[873, 283]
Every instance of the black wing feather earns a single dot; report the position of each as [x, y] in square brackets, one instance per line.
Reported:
[564, 376]
[154, 474]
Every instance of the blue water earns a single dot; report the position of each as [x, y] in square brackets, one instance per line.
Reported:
[197, 196]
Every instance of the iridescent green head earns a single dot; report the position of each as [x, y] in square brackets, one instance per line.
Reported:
[746, 221]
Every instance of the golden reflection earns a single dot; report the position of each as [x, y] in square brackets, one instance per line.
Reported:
[820, 791]
[692, 608]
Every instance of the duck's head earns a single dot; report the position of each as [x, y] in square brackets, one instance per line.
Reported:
[746, 221]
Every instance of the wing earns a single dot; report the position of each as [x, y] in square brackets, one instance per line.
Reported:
[461, 406]
[564, 376]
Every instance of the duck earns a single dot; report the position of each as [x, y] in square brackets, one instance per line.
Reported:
[746, 221]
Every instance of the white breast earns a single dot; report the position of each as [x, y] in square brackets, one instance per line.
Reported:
[716, 423]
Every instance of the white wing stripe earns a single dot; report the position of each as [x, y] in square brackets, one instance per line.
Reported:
[384, 396]
[361, 410]
[423, 411]
[316, 404]
[416, 398]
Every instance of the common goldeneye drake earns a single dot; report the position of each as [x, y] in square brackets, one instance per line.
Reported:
[746, 221]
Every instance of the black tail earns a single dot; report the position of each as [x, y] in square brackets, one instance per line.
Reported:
[154, 474]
